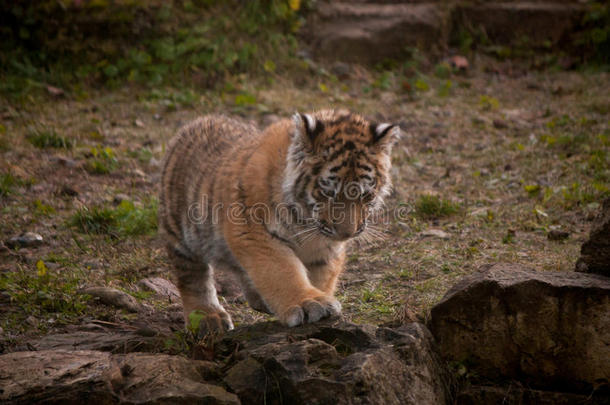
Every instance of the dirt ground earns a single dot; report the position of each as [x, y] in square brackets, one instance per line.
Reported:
[514, 158]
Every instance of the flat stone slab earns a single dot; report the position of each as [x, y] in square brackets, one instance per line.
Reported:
[58, 376]
[547, 329]
[504, 22]
[369, 33]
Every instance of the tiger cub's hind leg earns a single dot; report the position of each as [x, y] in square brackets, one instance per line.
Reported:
[195, 280]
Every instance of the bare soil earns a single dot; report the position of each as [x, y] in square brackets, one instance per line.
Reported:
[517, 153]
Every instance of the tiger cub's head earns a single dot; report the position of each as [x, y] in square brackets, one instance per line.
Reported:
[338, 170]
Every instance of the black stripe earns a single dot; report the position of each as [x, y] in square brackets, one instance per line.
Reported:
[278, 237]
[317, 263]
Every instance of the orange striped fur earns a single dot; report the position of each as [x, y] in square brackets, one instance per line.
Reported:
[275, 207]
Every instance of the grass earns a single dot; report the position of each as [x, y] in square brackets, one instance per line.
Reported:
[39, 291]
[48, 139]
[7, 184]
[101, 161]
[122, 221]
[144, 43]
[433, 207]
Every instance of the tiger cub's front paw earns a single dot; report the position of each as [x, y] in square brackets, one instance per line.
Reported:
[311, 310]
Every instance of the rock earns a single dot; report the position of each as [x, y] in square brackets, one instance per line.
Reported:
[54, 91]
[138, 123]
[64, 161]
[68, 191]
[557, 234]
[27, 239]
[341, 70]
[547, 329]
[369, 33]
[105, 341]
[595, 252]
[539, 22]
[162, 287]
[113, 297]
[499, 124]
[335, 362]
[459, 62]
[515, 394]
[436, 233]
[119, 198]
[57, 376]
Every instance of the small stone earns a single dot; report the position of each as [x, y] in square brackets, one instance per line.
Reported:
[113, 297]
[30, 320]
[68, 191]
[139, 173]
[500, 124]
[64, 161]
[119, 198]
[138, 123]
[55, 91]
[27, 239]
[157, 117]
[435, 233]
[459, 62]
[161, 287]
[341, 70]
[556, 234]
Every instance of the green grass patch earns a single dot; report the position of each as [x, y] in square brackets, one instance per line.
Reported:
[48, 139]
[432, 207]
[40, 291]
[124, 220]
[8, 182]
[148, 43]
[101, 161]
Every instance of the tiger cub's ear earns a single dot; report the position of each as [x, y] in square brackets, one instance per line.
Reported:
[385, 135]
[307, 129]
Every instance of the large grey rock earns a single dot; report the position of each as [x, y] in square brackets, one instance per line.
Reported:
[369, 33]
[335, 362]
[595, 252]
[547, 329]
[76, 377]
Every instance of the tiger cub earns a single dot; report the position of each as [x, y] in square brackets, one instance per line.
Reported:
[275, 207]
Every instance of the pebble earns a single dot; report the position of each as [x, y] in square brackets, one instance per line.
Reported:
[68, 191]
[27, 239]
[138, 123]
[30, 320]
[64, 161]
[162, 287]
[119, 198]
[556, 234]
[341, 70]
[113, 297]
[500, 124]
[435, 233]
